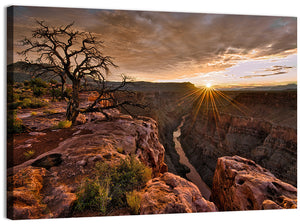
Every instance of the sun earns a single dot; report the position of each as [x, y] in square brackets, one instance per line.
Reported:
[208, 85]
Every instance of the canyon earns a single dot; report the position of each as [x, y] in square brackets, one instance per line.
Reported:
[247, 161]
[268, 136]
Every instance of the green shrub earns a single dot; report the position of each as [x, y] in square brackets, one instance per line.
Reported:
[64, 124]
[37, 103]
[38, 91]
[27, 103]
[48, 112]
[133, 200]
[129, 175]
[14, 124]
[16, 96]
[38, 82]
[29, 154]
[38, 86]
[94, 196]
[114, 187]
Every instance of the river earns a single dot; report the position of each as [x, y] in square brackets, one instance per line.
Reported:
[193, 175]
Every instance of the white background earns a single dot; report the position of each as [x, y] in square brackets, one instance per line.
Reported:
[245, 7]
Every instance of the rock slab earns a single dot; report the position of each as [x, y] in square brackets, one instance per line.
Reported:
[170, 193]
[241, 184]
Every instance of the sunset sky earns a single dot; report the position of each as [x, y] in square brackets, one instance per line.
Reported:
[224, 50]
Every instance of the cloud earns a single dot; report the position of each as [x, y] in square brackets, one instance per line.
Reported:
[275, 69]
[264, 75]
[162, 45]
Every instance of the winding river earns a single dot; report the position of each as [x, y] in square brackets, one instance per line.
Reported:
[193, 175]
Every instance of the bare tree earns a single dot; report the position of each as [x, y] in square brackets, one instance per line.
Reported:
[68, 53]
[108, 97]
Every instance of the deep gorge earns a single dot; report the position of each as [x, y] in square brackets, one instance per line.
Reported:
[270, 143]
[266, 134]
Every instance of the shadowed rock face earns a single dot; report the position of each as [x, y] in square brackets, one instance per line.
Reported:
[241, 184]
[261, 126]
[48, 161]
[273, 147]
[170, 193]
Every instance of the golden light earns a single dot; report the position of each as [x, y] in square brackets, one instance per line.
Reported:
[209, 101]
[208, 85]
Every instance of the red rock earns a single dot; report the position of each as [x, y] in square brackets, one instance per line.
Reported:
[59, 172]
[241, 184]
[170, 193]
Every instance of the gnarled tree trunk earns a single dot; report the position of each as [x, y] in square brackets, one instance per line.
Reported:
[73, 104]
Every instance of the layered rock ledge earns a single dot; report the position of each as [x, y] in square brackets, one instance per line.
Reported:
[241, 184]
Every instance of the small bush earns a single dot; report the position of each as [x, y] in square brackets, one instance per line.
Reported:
[93, 195]
[129, 175]
[133, 200]
[114, 187]
[37, 103]
[29, 154]
[38, 91]
[64, 124]
[14, 124]
[38, 82]
[27, 103]
[49, 112]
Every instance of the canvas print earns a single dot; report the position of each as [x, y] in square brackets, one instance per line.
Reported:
[115, 112]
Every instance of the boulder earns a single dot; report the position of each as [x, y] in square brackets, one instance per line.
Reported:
[170, 193]
[241, 184]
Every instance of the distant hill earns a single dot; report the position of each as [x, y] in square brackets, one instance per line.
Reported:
[262, 88]
[21, 71]
[156, 87]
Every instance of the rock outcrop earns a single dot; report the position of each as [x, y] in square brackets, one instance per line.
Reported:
[46, 186]
[241, 184]
[170, 193]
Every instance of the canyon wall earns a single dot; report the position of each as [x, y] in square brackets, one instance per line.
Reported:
[167, 108]
[269, 143]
